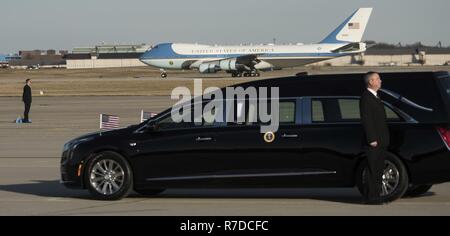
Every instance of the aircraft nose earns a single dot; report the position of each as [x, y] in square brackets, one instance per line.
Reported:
[147, 55]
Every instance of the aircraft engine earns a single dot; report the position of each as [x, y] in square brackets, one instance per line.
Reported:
[232, 65]
[208, 68]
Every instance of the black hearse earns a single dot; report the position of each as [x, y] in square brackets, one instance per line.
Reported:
[319, 143]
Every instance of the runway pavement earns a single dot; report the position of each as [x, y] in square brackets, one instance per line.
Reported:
[56, 120]
[146, 82]
[30, 186]
[29, 172]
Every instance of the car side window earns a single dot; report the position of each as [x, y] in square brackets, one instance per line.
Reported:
[317, 111]
[332, 110]
[208, 116]
[391, 115]
[168, 123]
[213, 116]
[349, 109]
[248, 111]
[287, 112]
[236, 113]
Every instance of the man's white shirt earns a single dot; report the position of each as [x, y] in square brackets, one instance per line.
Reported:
[373, 92]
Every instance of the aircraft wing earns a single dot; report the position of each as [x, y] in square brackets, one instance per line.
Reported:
[249, 60]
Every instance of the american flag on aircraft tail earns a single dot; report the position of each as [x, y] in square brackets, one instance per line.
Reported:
[353, 26]
[109, 122]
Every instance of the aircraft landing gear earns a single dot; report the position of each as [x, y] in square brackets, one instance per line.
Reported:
[163, 75]
[236, 74]
[252, 74]
[245, 74]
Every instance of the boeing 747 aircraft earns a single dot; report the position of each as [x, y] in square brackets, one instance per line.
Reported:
[250, 59]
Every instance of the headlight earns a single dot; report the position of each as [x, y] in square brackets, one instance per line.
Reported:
[69, 147]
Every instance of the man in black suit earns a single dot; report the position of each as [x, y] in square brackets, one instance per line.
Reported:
[373, 117]
[27, 99]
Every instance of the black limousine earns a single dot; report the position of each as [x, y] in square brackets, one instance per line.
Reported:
[319, 143]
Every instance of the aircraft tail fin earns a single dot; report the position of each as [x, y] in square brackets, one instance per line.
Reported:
[352, 29]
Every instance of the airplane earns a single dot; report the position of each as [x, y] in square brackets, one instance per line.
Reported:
[3, 62]
[248, 60]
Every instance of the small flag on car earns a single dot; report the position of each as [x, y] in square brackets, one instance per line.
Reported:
[147, 115]
[109, 122]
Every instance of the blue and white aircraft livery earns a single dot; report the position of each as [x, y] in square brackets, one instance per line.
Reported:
[247, 60]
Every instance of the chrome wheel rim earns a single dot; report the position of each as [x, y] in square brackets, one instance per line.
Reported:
[107, 177]
[391, 178]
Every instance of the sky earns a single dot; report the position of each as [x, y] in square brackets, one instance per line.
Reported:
[64, 24]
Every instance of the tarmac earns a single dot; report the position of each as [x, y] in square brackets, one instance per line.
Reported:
[30, 186]
[29, 171]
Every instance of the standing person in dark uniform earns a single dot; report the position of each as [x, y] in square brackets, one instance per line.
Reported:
[373, 117]
[27, 99]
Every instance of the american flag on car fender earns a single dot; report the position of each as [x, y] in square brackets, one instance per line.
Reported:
[109, 122]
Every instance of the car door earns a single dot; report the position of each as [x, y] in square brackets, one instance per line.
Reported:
[249, 158]
[333, 138]
[174, 154]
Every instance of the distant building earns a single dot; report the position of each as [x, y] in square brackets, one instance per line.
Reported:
[394, 57]
[39, 58]
[106, 56]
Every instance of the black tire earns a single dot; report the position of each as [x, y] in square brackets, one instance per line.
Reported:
[149, 192]
[403, 181]
[121, 175]
[417, 190]
[163, 75]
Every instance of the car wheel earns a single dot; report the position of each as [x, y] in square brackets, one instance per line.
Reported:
[109, 176]
[395, 179]
[149, 192]
[417, 190]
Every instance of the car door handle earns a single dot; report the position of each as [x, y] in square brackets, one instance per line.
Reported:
[204, 139]
[289, 136]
